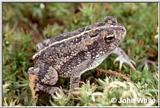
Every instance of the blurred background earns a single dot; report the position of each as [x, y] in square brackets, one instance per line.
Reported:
[26, 24]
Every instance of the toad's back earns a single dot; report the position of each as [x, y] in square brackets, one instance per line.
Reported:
[76, 51]
[68, 53]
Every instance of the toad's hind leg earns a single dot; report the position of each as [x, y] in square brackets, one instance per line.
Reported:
[43, 79]
[48, 89]
[50, 77]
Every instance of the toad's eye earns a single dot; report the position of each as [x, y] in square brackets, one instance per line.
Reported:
[109, 38]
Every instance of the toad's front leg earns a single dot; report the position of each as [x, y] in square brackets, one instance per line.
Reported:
[76, 74]
[123, 58]
[74, 82]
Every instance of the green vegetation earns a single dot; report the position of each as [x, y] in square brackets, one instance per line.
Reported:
[26, 24]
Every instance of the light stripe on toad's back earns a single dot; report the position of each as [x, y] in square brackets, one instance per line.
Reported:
[72, 37]
[65, 35]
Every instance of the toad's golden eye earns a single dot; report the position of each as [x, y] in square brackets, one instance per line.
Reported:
[109, 38]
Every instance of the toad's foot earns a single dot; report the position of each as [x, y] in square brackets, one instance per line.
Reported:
[48, 89]
[123, 58]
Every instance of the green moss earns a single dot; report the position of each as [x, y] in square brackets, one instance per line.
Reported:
[26, 24]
